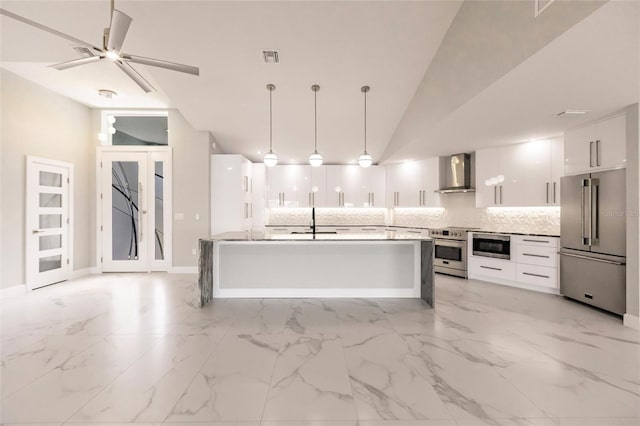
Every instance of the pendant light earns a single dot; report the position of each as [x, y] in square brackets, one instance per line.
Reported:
[270, 158]
[365, 160]
[315, 159]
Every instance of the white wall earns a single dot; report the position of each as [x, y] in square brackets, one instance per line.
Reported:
[36, 121]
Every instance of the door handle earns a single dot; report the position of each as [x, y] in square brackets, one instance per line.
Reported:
[535, 275]
[495, 195]
[491, 267]
[535, 255]
[373, 199]
[598, 153]
[594, 206]
[500, 194]
[583, 233]
[37, 231]
[591, 154]
[310, 199]
[554, 193]
[611, 262]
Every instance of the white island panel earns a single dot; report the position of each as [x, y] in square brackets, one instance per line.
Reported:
[317, 269]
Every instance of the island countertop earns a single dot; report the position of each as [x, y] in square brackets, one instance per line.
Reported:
[319, 236]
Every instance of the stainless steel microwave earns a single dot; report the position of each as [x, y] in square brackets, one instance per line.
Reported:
[492, 245]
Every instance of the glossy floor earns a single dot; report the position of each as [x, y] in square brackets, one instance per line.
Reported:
[127, 348]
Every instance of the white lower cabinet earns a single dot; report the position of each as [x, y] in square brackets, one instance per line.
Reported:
[537, 275]
[503, 270]
[533, 264]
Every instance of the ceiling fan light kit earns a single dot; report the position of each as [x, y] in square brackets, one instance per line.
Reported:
[270, 158]
[112, 41]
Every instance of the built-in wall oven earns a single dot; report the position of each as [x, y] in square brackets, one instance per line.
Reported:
[450, 255]
[492, 245]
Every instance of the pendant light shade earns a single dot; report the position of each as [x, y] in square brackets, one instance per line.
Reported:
[270, 158]
[315, 159]
[365, 159]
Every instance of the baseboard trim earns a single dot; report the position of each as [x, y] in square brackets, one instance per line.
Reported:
[82, 272]
[183, 270]
[631, 321]
[13, 291]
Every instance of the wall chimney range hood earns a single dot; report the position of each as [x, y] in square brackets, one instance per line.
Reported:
[455, 176]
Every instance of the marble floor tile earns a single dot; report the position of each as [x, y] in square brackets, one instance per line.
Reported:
[116, 349]
[57, 395]
[310, 380]
[24, 364]
[148, 390]
[233, 384]
[388, 384]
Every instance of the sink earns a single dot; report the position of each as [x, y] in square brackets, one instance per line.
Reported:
[311, 232]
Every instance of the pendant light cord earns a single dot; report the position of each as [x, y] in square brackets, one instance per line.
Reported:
[365, 122]
[315, 121]
[270, 122]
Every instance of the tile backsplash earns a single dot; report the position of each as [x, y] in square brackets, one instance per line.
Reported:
[457, 210]
[327, 216]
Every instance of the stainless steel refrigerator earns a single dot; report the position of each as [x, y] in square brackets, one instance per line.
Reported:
[593, 239]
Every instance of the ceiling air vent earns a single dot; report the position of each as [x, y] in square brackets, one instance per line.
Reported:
[541, 5]
[270, 56]
[85, 52]
[568, 112]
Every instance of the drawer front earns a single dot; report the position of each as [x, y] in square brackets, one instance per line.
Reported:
[538, 275]
[537, 241]
[487, 267]
[537, 255]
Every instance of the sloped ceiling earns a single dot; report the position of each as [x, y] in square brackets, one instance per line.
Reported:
[445, 76]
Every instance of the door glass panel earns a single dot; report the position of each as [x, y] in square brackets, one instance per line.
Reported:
[124, 198]
[159, 205]
[50, 179]
[50, 200]
[48, 242]
[49, 263]
[48, 221]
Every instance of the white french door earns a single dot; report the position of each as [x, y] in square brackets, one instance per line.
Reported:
[135, 200]
[48, 239]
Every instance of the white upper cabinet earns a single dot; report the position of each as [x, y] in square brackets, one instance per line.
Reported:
[231, 208]
[413, 184]
[288, 186]
[526, 174]
[318, 194]
[598, 146]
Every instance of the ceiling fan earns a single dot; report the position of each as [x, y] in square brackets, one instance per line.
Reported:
[112, 40]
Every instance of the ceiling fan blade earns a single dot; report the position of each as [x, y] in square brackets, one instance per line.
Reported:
[75, 62]
[135, 76]
[47, 29]
[162, 64]
[120, 23]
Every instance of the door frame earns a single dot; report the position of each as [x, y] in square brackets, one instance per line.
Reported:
[28, 259]
[168, 201]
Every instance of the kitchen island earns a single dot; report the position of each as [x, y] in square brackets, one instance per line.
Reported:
[366, 264]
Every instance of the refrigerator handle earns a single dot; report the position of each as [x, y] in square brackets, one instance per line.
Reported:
[583, 210]
[594, 235]
[590, 154]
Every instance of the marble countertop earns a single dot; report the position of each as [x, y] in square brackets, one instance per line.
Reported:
[342, 236]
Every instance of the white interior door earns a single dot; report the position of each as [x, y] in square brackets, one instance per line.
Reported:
[135, 201]
[48, 230]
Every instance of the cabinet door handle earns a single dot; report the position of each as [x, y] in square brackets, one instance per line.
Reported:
[535, 241]
[491, 267]
[598, 153]
[313, 198]
[535, 255]
[310, 203]
[373, 199]
[250, 209]
[547, 192]
[591, 154]
[536, 275]
[246, 211]
[500, 194]
[554, 193]
[495, 195]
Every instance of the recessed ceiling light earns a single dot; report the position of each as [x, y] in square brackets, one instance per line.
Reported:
[270, 56]
[573, 112]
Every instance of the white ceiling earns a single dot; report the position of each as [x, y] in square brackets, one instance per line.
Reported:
[394, 47]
